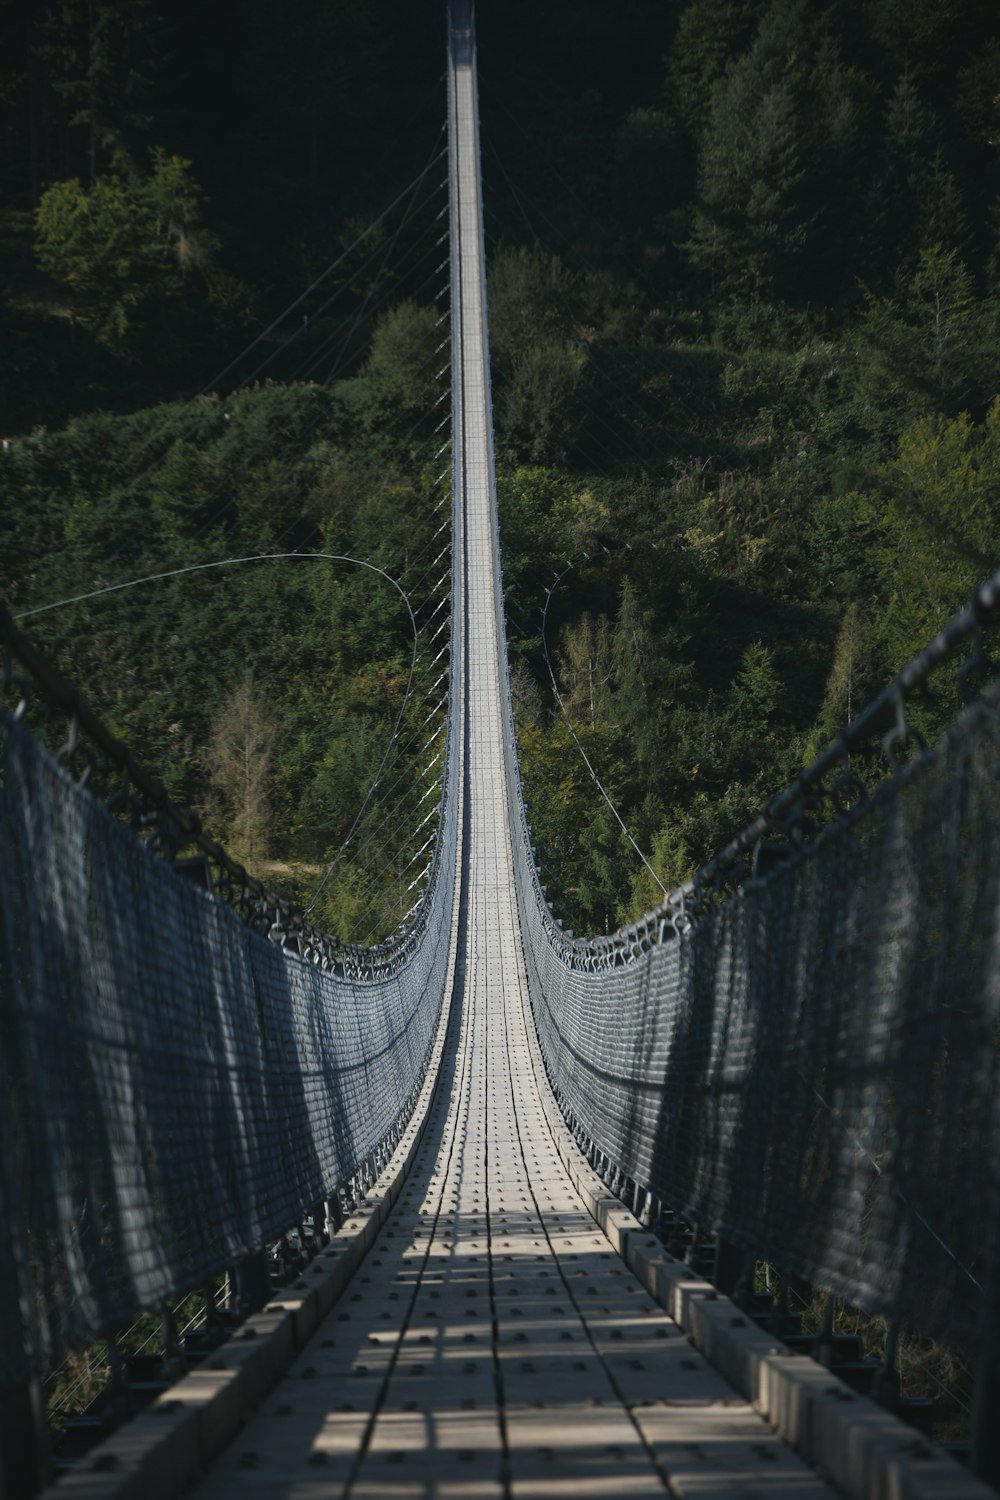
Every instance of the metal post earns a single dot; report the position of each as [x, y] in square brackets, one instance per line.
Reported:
[117, 1384]
[24, 1442]
[985, 1430]
[117, 1400]
[675, 1244]
[728, 1268]
[692, 1248]
[334, 1214]
[174, 1363]
[743, 1292]
[253, 1282]
[215, 1328]
[824, 1343]
[886, 1381]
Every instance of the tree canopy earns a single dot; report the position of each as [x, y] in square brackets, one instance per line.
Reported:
[744, 285]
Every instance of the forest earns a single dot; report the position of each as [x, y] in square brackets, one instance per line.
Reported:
[744, 286]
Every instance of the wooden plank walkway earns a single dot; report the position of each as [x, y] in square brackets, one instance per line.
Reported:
[492, 1344]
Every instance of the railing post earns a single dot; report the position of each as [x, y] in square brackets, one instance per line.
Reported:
[824, 1343]
[253, 1281]
[334, 1214]
[727, 1270]
[985, 1455]
[24, 1442]
[215, 1328]
[117, 1381]
[174, 1363]
[691, 1250]
[887, 1380]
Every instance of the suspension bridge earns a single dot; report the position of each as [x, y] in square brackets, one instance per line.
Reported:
[538, 1172]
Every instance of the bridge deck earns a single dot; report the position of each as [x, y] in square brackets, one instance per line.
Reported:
[492, 1343]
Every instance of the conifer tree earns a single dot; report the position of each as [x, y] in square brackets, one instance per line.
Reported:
[749, 226]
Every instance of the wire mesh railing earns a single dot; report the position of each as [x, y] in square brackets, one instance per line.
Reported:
[797, 1051]
[795, 1055]
[190, 1067]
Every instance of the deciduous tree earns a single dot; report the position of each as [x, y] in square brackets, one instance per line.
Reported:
[240, 753]
[124, 245]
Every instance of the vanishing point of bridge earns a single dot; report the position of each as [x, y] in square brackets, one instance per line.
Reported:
[491, 1320]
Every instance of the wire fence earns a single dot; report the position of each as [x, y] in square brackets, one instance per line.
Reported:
[803, 1058]
[798, 1050]
[183, 1079]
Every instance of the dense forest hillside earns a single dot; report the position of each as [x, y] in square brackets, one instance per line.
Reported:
[744, 293]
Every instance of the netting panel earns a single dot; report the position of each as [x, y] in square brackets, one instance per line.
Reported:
[813, 1070]
[174, 1089]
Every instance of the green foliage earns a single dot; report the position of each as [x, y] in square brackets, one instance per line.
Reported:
[401, 375]
[710, 33]
[750, 225]
[98, 57]
[937, 514]
[743, 328]
[546, 521]
[239, 763]
[915, 199]
[758, 686]
[536, 409]
[540, 362]
[125, 248]
[93, 243]
[979, 94]
[265, 694]
[532, 298]
[918, 32]
[933, 349]
[852, 680]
